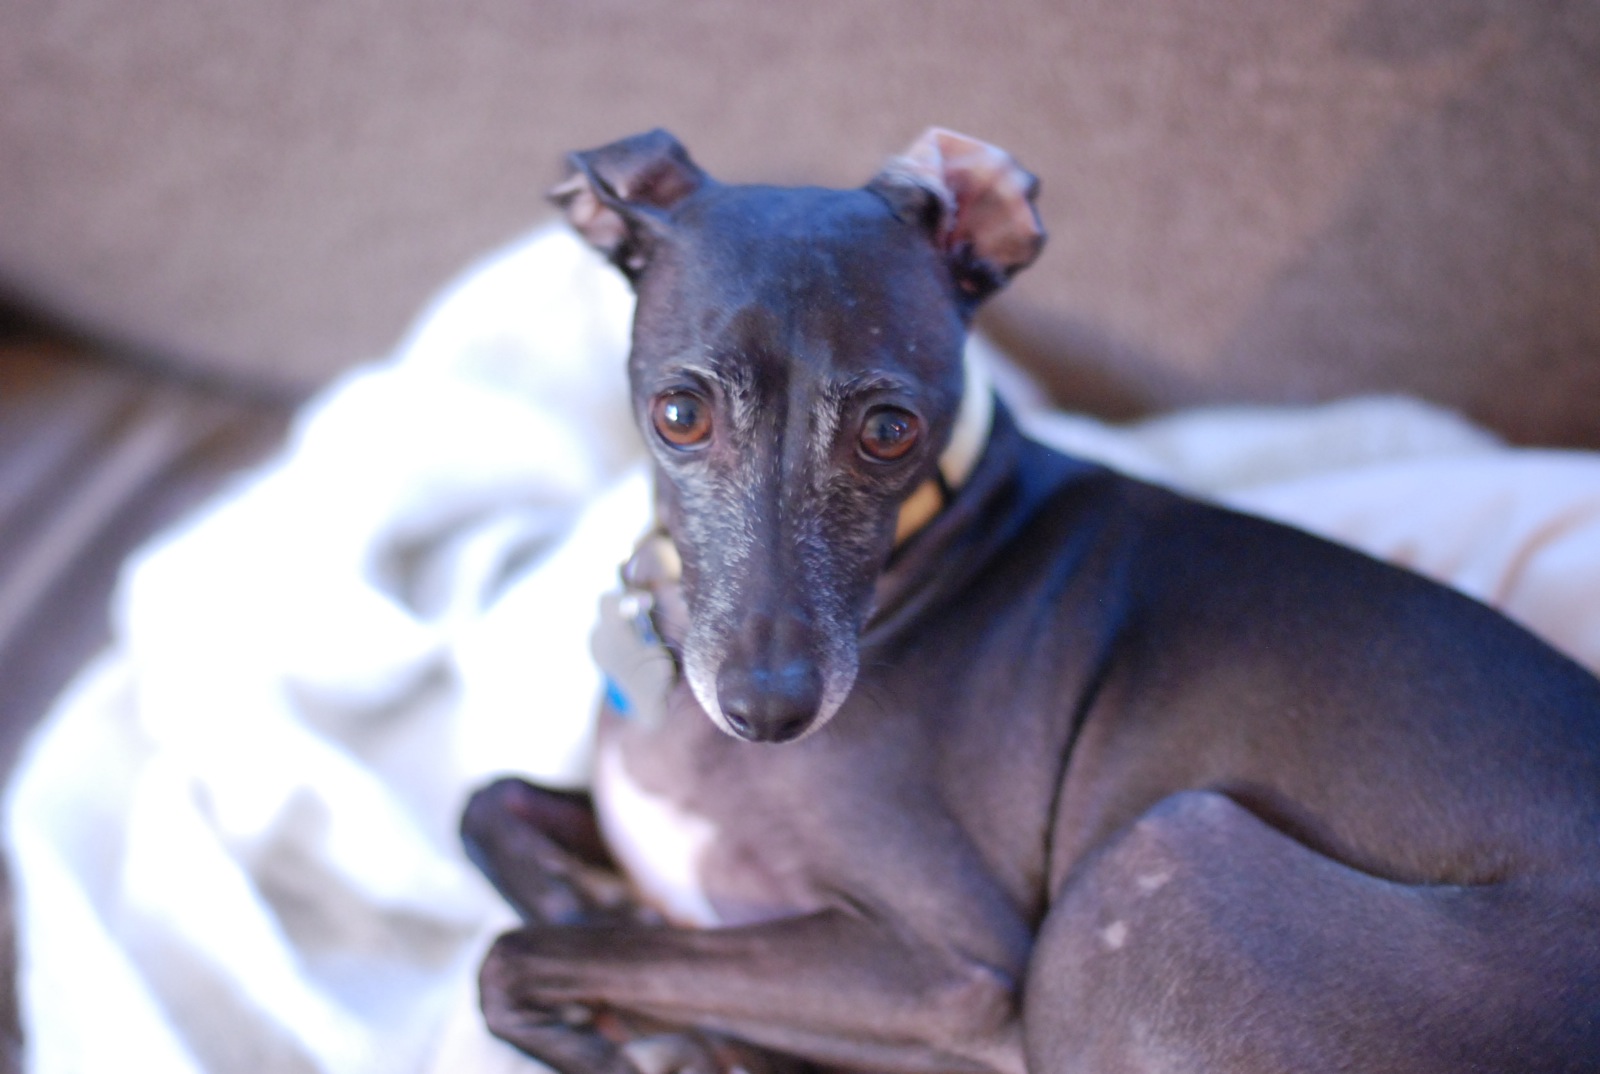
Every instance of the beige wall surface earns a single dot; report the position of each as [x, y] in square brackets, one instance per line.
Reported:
[1247, 199]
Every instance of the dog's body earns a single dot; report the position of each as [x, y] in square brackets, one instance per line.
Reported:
[1083, 775]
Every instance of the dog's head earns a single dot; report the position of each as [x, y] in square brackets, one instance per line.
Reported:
[796, 371]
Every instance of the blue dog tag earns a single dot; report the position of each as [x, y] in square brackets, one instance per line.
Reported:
[639, 671]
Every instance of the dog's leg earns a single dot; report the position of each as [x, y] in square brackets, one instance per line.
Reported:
[835, 987]
[542, 851]
[1204, 940]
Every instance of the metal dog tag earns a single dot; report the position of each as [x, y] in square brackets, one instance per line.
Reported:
[638, 669]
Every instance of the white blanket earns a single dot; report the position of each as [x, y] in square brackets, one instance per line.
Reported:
[234, 836]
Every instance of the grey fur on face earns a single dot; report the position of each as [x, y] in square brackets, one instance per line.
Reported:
[770, 522]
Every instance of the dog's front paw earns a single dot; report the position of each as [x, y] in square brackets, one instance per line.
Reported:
[537, 994]
[560, 1033]
[531, 843]
[524, 969]
[694, 1052]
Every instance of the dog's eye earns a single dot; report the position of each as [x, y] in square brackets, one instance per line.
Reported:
[683, 419]
[888, 433]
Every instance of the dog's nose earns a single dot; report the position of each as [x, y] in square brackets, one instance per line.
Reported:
[770, 705]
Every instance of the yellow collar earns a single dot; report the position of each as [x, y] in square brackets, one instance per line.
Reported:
[968, 436]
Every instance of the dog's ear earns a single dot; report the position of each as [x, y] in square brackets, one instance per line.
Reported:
[975, 201]
[618, 196]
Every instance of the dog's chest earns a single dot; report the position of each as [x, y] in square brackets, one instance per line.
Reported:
[700, 846]
[661, 845]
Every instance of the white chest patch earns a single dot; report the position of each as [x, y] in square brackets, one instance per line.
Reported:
[658, 843]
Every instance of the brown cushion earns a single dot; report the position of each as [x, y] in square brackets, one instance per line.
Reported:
[1248, 199]
[95, 456]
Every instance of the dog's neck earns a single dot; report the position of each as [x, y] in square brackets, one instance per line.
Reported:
[960, 539]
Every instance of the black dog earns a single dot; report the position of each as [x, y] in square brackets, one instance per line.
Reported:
[1078, 774]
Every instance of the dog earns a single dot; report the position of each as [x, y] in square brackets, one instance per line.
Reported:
[964, 755]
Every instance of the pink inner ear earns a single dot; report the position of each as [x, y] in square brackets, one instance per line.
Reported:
[602, 227]
[989, 195]
[661, 183]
